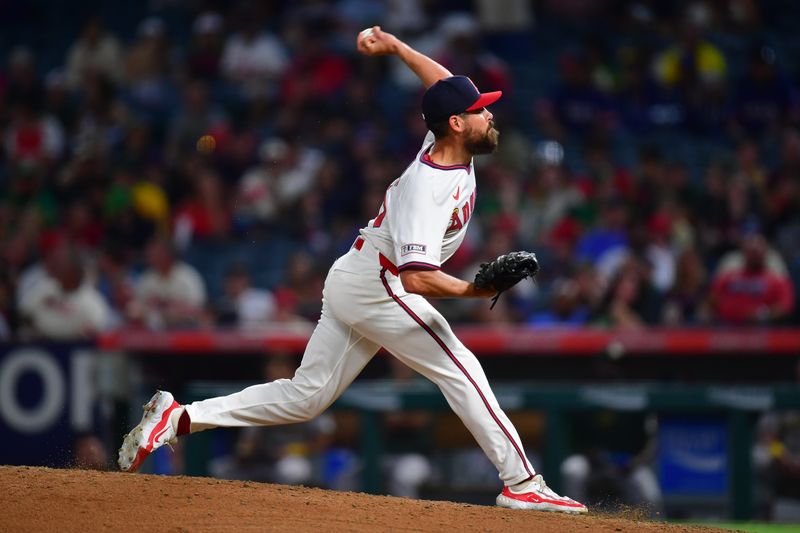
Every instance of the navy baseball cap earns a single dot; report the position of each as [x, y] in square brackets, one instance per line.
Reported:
[454, 95]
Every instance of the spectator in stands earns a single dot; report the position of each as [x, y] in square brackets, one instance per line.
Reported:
[206, 214]
[782, 197]
[133, 211]
[170, 293]
[148, 199]
[59, 102]
[762, 97]
[576, 107]
[288, 171]
[737, 259]
[95, 53]
[244, 306]
[462, 51]
[22, 83]
[564, 308]
[631, 301]
[750, 170]
[197, 117]
[316, 72]
[607, 243]
[644, 104]
[693, 59]
[33, 140]
[650, 177]
[290, 455]
[54, 251]
[604, 71]
[82, 227]
[147, 65]
[148, 57]
[603, 179]
[744, 17]
[733, 205]
[115, 281]
[253, 59]
[298, 296]
[751, 292]
[205, 51]
[65, 306]
[257, 200]
[697, 68]
[654, 246]
[353, 15]
[686, 302]
[550, 195]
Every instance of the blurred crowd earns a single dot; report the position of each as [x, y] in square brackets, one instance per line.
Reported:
[150, 150]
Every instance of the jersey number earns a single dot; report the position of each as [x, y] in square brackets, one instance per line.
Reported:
[382, 211]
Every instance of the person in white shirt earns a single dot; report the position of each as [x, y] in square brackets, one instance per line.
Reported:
[171, 293]
[96, 52]
[253, 59]
[244, 306]
[284, 176]
[64, 306]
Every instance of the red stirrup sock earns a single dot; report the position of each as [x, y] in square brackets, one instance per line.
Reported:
[184, 424]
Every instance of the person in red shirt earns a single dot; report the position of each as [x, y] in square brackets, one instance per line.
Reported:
[752, 292]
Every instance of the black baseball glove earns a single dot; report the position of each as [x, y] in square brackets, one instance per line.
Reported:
[506, 271]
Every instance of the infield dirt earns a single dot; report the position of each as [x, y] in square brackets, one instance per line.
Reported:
[45, 499]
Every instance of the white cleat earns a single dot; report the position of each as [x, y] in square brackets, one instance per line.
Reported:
[153, 431]
[539, 497]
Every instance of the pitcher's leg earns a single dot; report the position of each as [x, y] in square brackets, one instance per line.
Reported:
[334, 356]
[468, 393]
[417, 334]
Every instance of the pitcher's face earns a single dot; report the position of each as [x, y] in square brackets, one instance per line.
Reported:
[481, 137]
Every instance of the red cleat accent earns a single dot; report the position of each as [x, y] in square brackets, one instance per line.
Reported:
[538, 496]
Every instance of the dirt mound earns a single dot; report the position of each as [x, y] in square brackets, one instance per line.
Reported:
[45, 499]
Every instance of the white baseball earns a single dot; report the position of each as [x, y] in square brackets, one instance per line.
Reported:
[366, 33]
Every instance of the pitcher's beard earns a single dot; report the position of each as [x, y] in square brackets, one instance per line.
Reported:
[485, 144]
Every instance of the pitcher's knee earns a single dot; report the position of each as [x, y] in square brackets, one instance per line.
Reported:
[309, 401]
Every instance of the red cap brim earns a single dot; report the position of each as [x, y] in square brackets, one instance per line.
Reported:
[486, 99]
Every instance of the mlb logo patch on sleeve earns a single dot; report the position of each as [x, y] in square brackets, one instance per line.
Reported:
[412, 249]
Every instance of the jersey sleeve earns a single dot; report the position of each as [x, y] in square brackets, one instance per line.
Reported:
[418, 223]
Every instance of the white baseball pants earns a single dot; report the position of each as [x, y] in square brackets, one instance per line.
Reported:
[365, 307]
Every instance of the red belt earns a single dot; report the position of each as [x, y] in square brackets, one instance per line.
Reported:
[385, 263]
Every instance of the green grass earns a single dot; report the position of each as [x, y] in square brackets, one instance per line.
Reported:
[754, 527]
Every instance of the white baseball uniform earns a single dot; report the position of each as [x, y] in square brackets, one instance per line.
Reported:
[421, 223]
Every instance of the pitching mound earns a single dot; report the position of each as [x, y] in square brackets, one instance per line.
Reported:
[45, 499]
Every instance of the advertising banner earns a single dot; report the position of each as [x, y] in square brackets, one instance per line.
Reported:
[693, 456]
[47, 400]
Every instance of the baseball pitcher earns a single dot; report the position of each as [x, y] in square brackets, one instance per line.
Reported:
[376, 296]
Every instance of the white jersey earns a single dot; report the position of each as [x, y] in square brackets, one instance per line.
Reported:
[425, 213]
